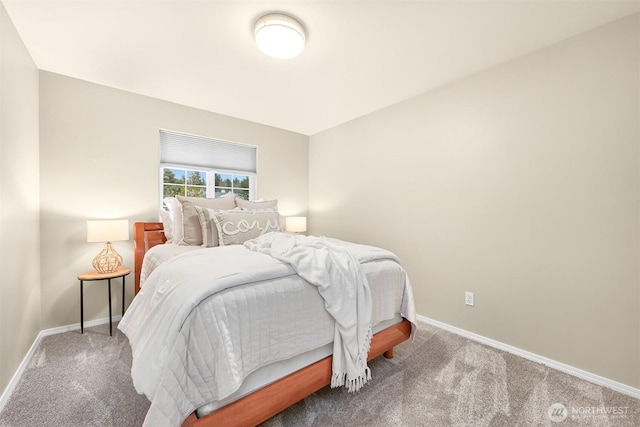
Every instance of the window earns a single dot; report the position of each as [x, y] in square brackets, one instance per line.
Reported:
[240, 185]
[197, 183]
[202, 167]
[184, 182]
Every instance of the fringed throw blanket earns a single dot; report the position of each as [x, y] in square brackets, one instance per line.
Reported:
[334, 267]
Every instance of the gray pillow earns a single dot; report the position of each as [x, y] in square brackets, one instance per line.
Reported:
[208, 226]
[191, 228]
[248, 204]
[239, 225]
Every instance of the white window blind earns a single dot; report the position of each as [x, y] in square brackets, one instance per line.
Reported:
[206, 153]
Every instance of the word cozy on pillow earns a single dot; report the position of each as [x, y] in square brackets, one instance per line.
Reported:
[236, 226]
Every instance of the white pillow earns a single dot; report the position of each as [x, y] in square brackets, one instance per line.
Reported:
[167, 224]
[175, 211]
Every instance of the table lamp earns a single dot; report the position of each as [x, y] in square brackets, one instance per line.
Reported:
[107, 231]
[296, 224]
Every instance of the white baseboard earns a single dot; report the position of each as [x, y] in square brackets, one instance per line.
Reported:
[588, 376]
[46, 332]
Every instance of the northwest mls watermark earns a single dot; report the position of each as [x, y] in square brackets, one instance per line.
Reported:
[559, 412]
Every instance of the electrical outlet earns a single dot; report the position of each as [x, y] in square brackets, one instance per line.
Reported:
[468, 298]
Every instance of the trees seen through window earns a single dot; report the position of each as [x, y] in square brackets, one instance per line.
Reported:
[194, 183]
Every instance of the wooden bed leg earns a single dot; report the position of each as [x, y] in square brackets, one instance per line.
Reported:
[388, 354]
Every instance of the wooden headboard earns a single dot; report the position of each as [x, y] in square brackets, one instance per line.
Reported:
[145, 236]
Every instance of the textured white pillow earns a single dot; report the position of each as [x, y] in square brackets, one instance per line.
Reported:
[175, 211]
[167, 224]
[236, 226]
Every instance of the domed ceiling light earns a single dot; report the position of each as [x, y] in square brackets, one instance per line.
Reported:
[279, 35]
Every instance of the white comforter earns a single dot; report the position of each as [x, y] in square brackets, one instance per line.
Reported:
[188, 347]
[159, 254]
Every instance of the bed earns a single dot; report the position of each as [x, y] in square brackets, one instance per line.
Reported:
[273, 388]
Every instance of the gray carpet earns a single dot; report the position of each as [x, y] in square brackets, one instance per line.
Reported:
[440, 379]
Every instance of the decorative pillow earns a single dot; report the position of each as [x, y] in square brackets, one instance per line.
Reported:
[239, 225]
[175, 212]
[208, 226]
[262, 204]
[167, 224]
[191, 228]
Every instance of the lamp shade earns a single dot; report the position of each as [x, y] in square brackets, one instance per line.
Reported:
[279, 35]
[108, 230]
[296, 224]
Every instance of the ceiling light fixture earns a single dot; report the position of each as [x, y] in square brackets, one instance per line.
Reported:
[279, 35]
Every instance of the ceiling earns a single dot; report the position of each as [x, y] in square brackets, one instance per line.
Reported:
[360, 55]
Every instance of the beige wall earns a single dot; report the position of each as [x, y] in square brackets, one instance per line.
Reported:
[19, 201]
[99, 159]
[519, 184]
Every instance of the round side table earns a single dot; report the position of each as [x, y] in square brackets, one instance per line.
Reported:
[94, 276]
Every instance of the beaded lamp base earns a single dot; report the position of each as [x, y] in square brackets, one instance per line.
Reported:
[108, 260]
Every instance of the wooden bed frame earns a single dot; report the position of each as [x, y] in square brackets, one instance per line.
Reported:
[268, 401]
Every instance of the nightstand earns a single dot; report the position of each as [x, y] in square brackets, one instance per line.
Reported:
[93, 276]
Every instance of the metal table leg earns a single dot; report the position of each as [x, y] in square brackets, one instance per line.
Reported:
[110, 326]
[81, 309]
[123, 295]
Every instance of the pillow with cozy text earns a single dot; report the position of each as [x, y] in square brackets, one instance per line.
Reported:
[236, 226]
